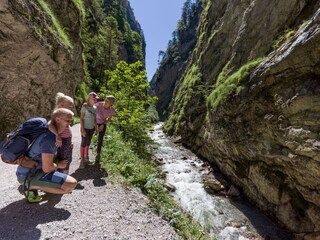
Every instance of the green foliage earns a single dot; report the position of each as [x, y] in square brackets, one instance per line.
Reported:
[225, 85]
[120, 161]
[134, 47]
[75, 120]
[152, 114]
[128, 83]
[56, 29]
[81, 93]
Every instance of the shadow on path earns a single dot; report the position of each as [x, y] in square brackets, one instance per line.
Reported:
[90, 172]
[19, 220]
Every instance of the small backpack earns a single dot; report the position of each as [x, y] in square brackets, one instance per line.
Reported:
[14, 147]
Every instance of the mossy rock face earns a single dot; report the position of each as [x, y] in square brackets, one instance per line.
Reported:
[260, 119]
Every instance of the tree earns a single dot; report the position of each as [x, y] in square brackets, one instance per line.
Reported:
[128, 83]
[107, 45]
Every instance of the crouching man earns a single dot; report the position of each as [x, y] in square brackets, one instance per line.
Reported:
[46, 177]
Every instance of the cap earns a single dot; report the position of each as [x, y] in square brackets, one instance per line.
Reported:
[93, 95]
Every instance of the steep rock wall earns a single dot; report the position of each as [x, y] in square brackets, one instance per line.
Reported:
[35, 62]
[265, 134]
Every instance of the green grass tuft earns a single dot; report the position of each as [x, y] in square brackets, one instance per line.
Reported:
[225, 85]
[56, 29]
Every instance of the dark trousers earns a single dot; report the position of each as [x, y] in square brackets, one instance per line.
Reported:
[85, 141]
[100, 137]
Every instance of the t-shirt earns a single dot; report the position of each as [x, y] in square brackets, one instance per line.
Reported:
[89, 116]
[45, 143]
[103, 113]
[66, 133]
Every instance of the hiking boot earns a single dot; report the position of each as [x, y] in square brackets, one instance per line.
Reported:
[21, 189]
[97, 160]
[32, 196]
[86, 160]
[82, 164]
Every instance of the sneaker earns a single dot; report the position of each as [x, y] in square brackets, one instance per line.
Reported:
[32, 196]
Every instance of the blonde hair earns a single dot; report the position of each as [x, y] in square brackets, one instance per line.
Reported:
[60, 98]
[62, 112]
[111, 98]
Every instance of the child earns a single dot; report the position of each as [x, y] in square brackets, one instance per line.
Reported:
[88, 124]
[65, 151]
[105, 111]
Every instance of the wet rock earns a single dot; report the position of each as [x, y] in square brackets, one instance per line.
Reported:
[170, 187]
[159, 161]
[163, 175]
[176, 139]
[312, 236]
[211, 185]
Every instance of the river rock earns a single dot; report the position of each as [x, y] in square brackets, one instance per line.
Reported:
[233, 191]
[211, 185]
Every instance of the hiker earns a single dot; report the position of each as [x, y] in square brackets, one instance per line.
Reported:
[88, 125]
[105, 111]
[65, 151]
[45, 176]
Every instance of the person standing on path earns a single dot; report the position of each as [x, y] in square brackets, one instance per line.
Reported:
[65, 151]
[105, 111]
[88, 125]
[46, 177]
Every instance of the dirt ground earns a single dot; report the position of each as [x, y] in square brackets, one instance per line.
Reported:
[97, 209]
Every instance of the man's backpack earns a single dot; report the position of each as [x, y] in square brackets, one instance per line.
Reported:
[14, 147]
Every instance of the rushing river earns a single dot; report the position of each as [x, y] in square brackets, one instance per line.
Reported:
[220, 216]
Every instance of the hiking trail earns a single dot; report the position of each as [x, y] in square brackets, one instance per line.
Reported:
[96, 209]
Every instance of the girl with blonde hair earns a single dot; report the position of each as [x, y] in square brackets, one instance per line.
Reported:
[65, 151]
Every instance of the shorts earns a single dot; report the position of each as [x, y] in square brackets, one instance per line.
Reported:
[41, 179]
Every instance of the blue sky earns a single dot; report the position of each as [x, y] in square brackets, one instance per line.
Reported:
[158, 19]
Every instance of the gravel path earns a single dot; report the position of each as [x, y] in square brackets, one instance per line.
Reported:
[97, 209]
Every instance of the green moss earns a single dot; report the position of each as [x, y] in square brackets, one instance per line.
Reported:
[223, 74]
[288, 34]
[81, 8]
[225, 85]
[56, 29]
[212, 36]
